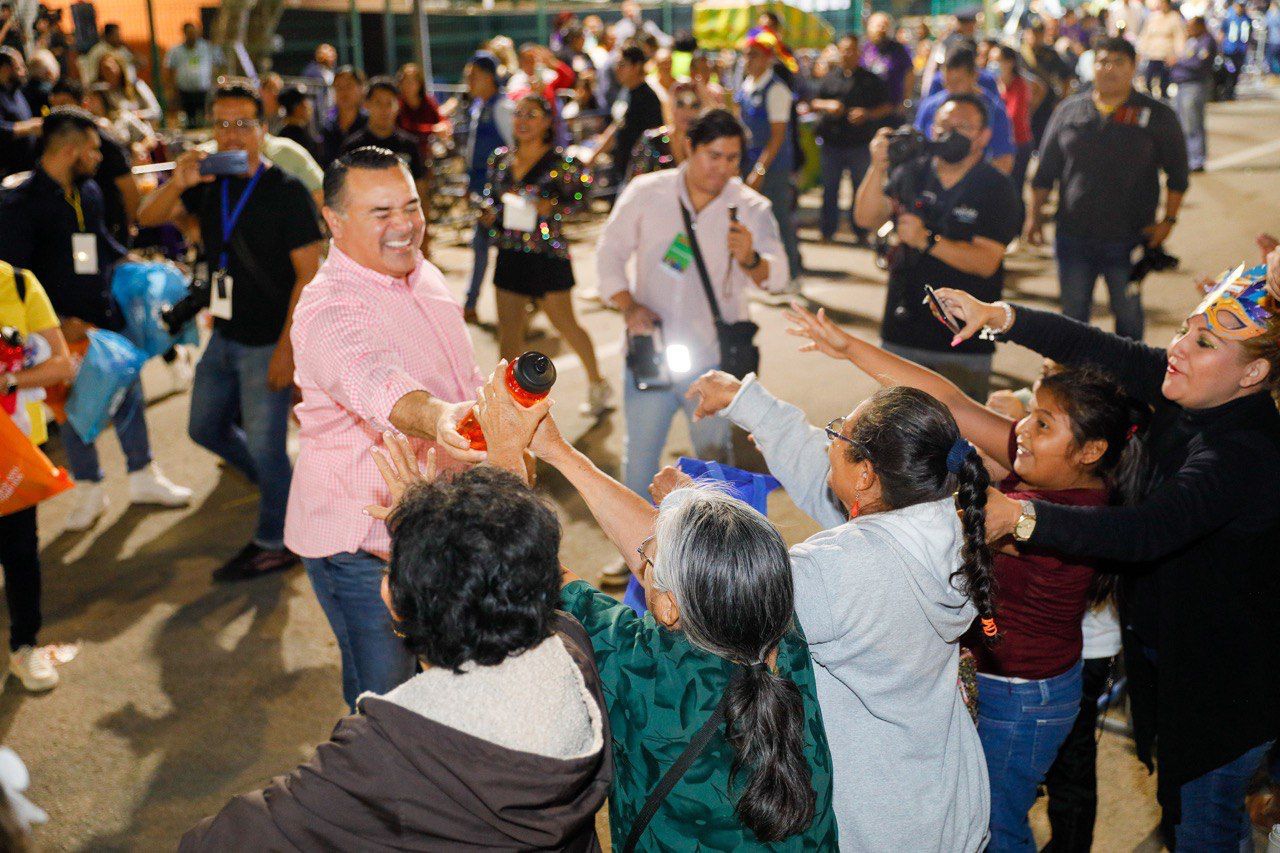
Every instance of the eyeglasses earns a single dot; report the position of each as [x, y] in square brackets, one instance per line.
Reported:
[238, 124]
[645, 558]
[833, 433]
[529, 114]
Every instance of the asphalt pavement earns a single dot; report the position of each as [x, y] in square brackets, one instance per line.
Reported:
[186, 692]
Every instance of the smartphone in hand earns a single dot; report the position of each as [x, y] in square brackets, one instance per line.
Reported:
[225, 164]
[935, 304]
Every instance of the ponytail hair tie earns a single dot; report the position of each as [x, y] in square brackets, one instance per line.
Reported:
[989, 627]
[1133, 430]
[959, 452]
[758, 666]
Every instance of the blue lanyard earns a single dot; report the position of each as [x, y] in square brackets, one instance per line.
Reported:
[229, 220]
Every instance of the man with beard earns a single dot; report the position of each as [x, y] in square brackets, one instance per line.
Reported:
[18, 129]
[954, 213]
[380, 345]
[54, 225]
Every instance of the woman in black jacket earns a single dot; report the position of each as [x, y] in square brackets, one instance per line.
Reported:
[1200, 603]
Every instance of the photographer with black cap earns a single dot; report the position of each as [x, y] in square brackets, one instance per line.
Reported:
[953, 213]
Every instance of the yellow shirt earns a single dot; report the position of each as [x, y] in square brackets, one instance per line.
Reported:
[35, 314]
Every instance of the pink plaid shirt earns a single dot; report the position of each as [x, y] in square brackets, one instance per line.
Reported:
[362, 341]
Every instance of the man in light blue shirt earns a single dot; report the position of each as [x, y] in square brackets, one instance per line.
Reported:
[189, 71]
[960, 76]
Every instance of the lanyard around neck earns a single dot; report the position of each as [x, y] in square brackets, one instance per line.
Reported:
[229, 218]
[73, 198]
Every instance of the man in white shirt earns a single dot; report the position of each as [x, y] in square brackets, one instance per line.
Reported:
[666, 291]
[189, 73]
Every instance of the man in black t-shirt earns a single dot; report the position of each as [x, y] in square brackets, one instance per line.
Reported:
[262, 242]
[382, 104]
[953, 219]
[852, 103]
[1105, 149]
[298, 121]
[636, 110]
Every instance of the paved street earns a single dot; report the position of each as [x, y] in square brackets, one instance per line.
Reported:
[186, 693]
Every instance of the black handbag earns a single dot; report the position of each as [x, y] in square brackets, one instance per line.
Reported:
[738, 353]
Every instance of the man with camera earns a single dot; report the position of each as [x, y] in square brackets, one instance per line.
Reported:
[953, 214]
[54, 225]
[259, 230]
[1105, 150]
[696, 234]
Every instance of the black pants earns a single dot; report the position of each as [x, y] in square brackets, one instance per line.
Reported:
[1072, 781]
[20, 558]
[193, 104]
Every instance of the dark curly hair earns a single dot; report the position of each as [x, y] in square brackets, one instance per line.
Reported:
[907, 435]
[475, 569]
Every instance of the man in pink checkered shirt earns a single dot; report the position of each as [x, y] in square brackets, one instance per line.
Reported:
[379, 344]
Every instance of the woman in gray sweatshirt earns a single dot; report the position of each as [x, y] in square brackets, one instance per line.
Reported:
[883, 595]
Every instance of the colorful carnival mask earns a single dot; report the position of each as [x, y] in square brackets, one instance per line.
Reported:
[1239, 306]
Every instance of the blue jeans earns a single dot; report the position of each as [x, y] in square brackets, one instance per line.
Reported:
[1080, 261]
[231, 379]
[1213, 813]
[835, 161]
[480, 248]
[649, 415]
[349, 587]
[778, 189]
[1022, 727]
[1190, 102]
[131, 430]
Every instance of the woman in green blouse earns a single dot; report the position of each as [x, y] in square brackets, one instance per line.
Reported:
[721, 622]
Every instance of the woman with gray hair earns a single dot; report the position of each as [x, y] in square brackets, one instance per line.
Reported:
[718, 740]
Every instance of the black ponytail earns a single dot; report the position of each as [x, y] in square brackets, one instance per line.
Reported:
[909, 438]
[977, 570]
[765, 725]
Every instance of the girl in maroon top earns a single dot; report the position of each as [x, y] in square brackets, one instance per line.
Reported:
[419, 112]
[1076, 446]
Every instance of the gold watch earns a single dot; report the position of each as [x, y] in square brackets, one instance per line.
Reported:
[1026, 522]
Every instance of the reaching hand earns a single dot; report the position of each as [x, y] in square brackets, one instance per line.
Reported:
[971, 314]
[822, 334]
[399, 469]
[547, 439]
[714, 391]
[448, 437]
[508, 426]
[667, 481]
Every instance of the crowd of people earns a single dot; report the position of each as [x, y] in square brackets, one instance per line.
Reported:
[911, 676]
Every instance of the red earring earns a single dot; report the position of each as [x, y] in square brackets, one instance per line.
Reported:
[854, 510]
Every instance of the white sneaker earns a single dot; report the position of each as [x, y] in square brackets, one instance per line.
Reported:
[33, 667]
[599, 398]
[91, 503]
[150, 486]
[182, 370]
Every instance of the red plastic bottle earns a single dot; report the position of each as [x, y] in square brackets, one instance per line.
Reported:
[529, 379]
[12, 356]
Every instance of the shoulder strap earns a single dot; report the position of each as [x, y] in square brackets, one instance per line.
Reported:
[675, 772]
[703, 276]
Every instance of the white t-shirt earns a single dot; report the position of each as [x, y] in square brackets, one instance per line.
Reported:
[1101, 627]
[777, 100]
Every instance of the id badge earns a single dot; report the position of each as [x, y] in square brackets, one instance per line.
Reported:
[518, 213]
[84, 253]
[678, 257]
[220, 289]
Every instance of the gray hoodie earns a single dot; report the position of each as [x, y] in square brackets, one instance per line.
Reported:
[882, 619]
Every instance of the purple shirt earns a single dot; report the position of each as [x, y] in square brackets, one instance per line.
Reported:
[891, 62]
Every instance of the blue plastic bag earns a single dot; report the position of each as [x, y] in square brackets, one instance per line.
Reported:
[750, 488]
[110, 366]
[144, 289]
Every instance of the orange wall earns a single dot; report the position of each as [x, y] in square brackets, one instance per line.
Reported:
[170, 15]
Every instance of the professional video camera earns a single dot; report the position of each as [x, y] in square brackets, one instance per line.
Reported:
[907, 144]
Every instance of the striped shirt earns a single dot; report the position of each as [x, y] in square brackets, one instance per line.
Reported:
[361, 341]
